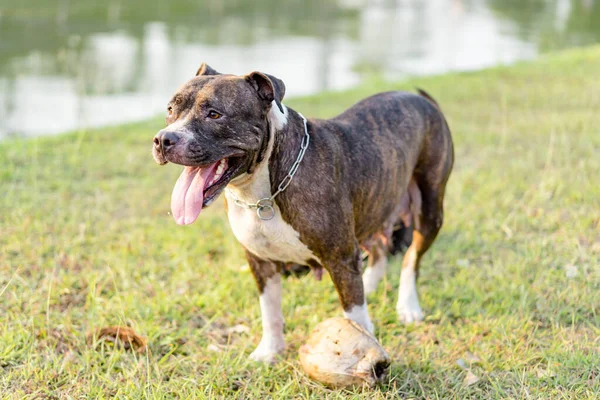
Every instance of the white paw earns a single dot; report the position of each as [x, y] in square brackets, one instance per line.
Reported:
[267, 352]
[409, 311]
[370, 327]
[360, 315]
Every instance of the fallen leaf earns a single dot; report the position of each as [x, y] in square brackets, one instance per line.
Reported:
[239, 329]
[69, 358]
[462, 364]
[225, 335]
[215, 348]
[471, 358]
[544, 373]
[120, 336]
[470, 379]
[571, 271]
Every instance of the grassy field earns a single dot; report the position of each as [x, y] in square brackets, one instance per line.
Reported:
[511, 287]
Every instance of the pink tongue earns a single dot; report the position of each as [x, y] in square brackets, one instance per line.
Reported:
[188, 193]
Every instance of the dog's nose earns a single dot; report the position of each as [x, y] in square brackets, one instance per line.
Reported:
[165, 140]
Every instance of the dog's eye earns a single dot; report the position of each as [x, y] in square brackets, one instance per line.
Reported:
[170, 110]
[214, 115]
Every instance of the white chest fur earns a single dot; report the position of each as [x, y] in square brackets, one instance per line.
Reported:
[274, 239]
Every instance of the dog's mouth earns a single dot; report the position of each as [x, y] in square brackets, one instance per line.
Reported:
[197, 187]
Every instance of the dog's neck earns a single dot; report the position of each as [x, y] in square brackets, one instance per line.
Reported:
[282, 131]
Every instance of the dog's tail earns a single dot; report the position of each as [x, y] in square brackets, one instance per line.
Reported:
[428, 97]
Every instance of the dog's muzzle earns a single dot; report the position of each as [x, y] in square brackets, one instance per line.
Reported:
[163, 142]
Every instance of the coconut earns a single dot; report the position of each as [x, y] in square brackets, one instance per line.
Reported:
[340, 353]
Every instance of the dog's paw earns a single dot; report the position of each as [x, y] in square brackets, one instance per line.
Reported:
[409, 312]
[360, 315]
[267, 353]
[370, 327]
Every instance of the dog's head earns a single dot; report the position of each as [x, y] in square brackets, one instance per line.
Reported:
[217, 127]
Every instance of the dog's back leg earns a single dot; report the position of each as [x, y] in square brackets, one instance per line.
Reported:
[375, 268]
[429, 179]
[429, 224]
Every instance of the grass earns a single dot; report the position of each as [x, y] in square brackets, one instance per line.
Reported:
[514, 277]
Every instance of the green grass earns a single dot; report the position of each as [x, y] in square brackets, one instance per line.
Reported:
[86, 242]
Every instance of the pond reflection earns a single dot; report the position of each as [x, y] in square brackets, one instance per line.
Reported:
[68, 64]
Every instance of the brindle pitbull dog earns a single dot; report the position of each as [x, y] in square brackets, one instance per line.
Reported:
[383, 162]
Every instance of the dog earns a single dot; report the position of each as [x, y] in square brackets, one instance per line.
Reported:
[310, 192]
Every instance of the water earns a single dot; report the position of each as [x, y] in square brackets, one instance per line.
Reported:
[72, 64]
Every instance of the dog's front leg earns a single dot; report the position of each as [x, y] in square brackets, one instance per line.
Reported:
[268, 279]
[346, 274]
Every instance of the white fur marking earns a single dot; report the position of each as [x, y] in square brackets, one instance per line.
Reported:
[276, 118]
[272, 341]
[373, 275]
[360, 315]
[274, 239]
[408, 307]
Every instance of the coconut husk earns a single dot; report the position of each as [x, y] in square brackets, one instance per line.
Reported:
[340, 353]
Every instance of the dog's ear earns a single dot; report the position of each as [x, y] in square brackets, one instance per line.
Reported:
[268, 87]
[205, 69]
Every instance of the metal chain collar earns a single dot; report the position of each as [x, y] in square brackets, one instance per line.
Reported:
[264, 207]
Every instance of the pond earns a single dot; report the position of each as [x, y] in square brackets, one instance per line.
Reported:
[72, 64]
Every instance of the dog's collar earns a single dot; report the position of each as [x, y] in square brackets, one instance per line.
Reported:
[264, 207]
